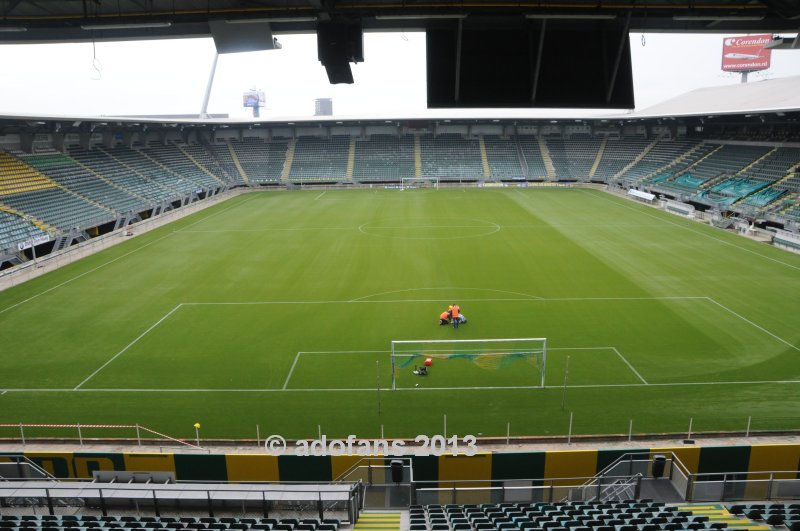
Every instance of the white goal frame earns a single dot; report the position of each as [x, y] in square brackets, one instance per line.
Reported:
[411, 182]
[541, 340]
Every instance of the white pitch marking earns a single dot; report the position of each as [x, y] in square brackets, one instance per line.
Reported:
[320, 195]
[297, 357]
[719, 240]
[393, 301]
[629, 365]
[4, 392]
[372, 390]
[450, 288]
[748, 321]
[83, 274]
[267, 229]
[288, 376]
[118, 354]
[115, 259]
[490, 225]
[345, 352]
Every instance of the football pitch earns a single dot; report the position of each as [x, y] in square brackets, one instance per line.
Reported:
[278, 309]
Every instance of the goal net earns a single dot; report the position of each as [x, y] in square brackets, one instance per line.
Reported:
[419, 182]
[470, 363]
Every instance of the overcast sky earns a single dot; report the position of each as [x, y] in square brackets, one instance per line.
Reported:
[169, 77]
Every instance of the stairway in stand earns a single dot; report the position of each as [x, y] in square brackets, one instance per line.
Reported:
[378, 522]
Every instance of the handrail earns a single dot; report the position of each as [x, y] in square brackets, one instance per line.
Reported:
[33, 465]
[382, 460]
[105, 426]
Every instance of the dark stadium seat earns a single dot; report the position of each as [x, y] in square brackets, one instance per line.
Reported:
[775, 519]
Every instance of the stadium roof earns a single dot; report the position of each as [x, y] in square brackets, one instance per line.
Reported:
[768, 96]
[65, 20]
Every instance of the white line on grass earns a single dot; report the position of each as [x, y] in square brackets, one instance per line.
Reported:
[320, 195]
[344, 352]
[581, 226]
[113, 260]
[372, 389]
[444, 227]
[748, 321]
[489, 225]
[359, 299]
[217, 213]
[129, 345]
[289, 376]
[267, 229]
[394, 301]
[4, 392]
[629, 365]
[83, 274]
[701, 233]
[297, 357]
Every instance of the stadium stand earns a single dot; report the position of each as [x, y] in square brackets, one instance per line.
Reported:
[630, 515]
[451, 157]
[18, 177]
[665, 178]
[384, 158]
[15, 229]
[320, 159]
[618, 154]
[68, 173]
[147, 168]
[83, 188]
[727, 160]
[729, 191]
[105, 165]
[219, 156]
[261, 161]
[774, 166]
[131, 522]
[573, 158]
[532, 157]
[59, 208]
[183, 163]
[664, 155]
[504, 156]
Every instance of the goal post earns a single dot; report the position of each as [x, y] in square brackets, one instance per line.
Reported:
[511, 362]
[419, 182]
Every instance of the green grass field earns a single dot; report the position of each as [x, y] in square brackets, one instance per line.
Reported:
[278, 309]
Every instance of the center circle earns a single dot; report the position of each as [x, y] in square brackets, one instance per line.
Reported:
[405, 229]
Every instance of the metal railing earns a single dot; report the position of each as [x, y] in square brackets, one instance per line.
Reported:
[740, 486]
[136, 431]
[154, 498]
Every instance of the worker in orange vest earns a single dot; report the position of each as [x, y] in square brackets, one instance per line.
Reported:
[455, 314]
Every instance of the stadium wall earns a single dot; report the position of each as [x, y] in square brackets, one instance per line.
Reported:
[485, 467]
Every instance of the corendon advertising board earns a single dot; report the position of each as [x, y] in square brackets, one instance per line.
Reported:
[745, 54]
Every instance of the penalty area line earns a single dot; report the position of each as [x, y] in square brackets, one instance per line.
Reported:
[751, 323]
[289, 376]
[129, 345]
[297, 357]
[625, 360]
